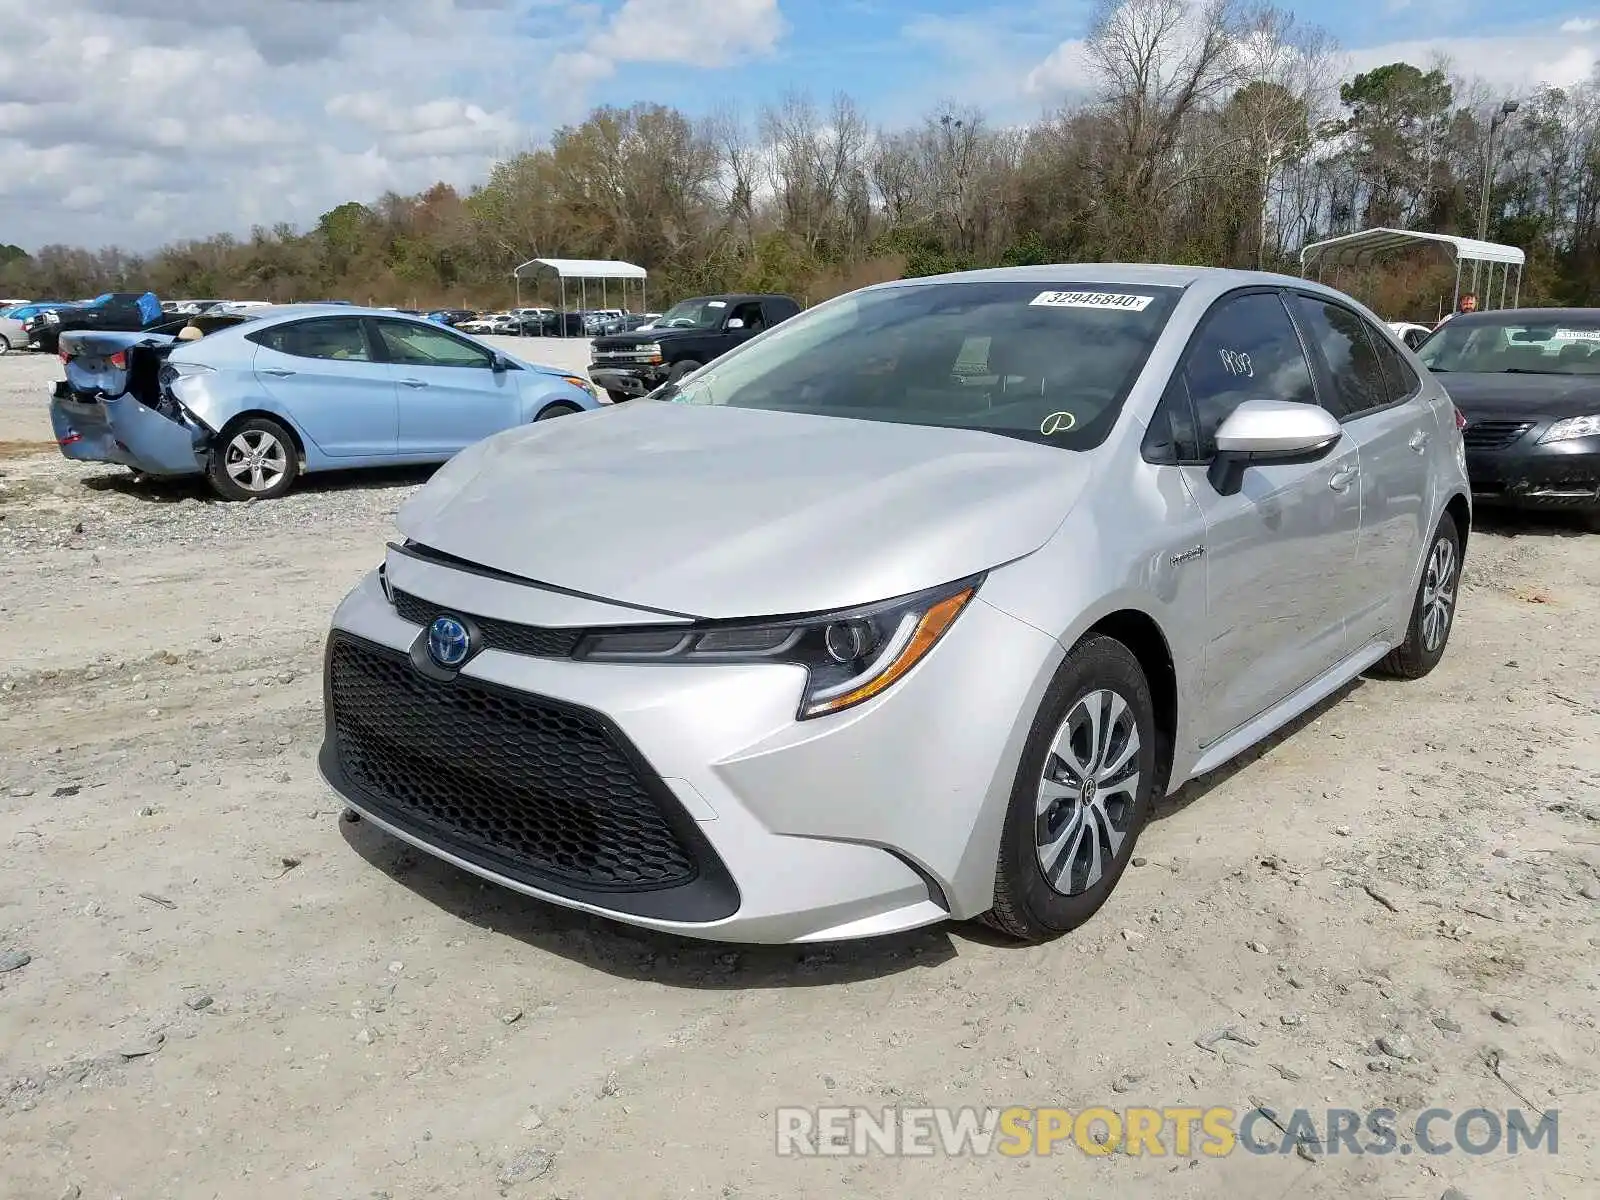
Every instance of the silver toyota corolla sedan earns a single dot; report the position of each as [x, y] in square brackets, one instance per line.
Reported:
[906, 610]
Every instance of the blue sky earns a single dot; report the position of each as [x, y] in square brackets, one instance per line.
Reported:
[897, 59]
[277, 110]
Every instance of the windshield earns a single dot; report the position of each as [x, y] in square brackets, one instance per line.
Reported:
[1564, 345]
[1048, 363]
[699, 313]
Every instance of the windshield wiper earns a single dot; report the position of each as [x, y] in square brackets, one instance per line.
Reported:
[1529, 371]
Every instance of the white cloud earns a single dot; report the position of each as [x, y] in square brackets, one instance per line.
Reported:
[138, 122]
[1580, 25]
[1512, 63]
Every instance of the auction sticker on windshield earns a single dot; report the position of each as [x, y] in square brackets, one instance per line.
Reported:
[1119, 300]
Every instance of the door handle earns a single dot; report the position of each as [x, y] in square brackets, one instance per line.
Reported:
[415, 383]
[1340, 480]
[1419, 441]
[277, 372]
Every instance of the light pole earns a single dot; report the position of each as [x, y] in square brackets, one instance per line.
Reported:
[1499, 119]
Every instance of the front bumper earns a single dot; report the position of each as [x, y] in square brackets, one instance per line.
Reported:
[880, 819]
[629, 380]
[123, 431]
[1526, 473]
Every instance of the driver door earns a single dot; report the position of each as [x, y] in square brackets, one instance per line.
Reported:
[1280, 554]
[449, 393]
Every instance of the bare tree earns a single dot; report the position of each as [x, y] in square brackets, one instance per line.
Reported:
[1158, 61]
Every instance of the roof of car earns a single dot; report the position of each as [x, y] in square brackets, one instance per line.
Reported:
[1149, 274]
[1529, 315]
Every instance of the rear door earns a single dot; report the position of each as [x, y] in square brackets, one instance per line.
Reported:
[450, 395]
[1392, 427]
[1280, 554]
[324, 373]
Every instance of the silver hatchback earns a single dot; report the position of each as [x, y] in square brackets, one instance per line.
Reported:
[909, 608]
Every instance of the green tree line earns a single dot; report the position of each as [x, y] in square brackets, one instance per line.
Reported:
[1208, 133]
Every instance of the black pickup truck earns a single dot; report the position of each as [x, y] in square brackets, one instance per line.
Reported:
[688, 335]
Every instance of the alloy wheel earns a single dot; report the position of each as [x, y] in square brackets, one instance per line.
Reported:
[1438, 594]
[256, 460]
[1089, 792]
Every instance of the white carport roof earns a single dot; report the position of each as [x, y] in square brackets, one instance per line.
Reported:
[1359, 249]
[584, 268]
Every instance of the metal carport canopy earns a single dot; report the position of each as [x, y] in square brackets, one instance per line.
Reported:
[1361, 248]
[583, 270]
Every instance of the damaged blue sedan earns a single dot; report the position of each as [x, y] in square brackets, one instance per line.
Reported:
[252, 402]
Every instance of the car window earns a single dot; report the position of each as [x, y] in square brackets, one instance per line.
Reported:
[1171, 437]
[1355, 374]
[341, 338]
[1044, 362]
[417, 345]
[750, 313]
[1246, 349]
[1403, 382]
[1563, 343]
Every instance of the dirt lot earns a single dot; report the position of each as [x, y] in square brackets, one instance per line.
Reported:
[230, 992]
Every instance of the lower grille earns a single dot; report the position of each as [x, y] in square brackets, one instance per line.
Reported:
[533, 640]
[1493, 435]
[537, 789]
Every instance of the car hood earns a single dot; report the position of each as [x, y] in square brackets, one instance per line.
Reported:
[724, 512]
[1522, 395]
[644, 337]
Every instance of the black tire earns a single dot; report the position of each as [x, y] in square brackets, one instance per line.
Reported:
[5, 344]
[1027, 905]
[680, 369]
[559, 409]
[1591, 520]
[279, 468]
[619, 397]
[1418, 654]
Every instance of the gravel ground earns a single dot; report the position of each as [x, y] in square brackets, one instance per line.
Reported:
[211, 986]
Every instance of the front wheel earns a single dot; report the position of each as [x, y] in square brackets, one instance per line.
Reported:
[559, 409]
[5, 344]
[1083, 792]
[253, 460]
[1433, 610]
[679, 370]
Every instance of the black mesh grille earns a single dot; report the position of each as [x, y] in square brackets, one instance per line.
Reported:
[1493, 435]
[532, 640]
[548, 790]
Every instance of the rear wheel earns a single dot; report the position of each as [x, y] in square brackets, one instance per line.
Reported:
[619, 397]
[5, 344]
[1082, 795]
[255, 459]
[1433, 611]
[559, 409]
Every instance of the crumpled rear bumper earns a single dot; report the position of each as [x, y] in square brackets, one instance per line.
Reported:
[123, 431]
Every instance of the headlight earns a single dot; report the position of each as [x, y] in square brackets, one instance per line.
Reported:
[580, 383]
[849, 656]
[1572, 427]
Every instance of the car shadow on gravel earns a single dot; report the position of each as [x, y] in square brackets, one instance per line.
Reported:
[1197, 789]
[642, 954]
[189, 487]
[1517, 522]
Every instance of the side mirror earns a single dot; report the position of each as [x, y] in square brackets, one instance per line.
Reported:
[498, 363]
[1261, 432]
[734, 323]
